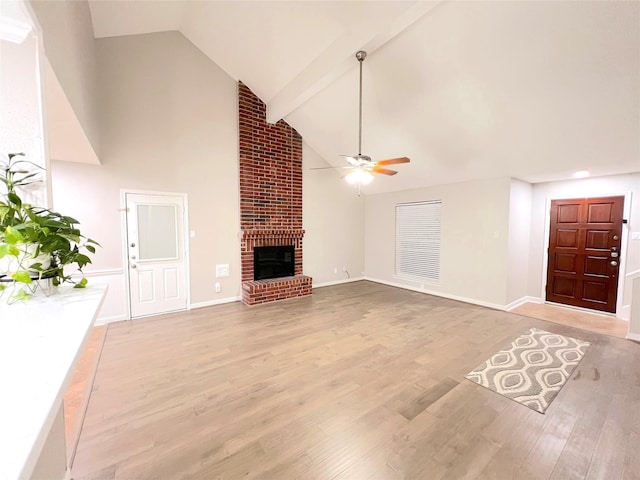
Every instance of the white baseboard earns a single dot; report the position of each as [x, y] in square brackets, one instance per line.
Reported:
[220, 301]
[337, 282]
[211, 303]
[472, 301]
[633, 336]
[522, 301]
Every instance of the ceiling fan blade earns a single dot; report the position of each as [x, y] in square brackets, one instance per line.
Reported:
[393, 161]
[384, 171]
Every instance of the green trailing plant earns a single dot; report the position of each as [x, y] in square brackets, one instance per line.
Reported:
[35, 242]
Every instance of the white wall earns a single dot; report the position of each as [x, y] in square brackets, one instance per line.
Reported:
[333, 219]
[169, 123]
[519, 232]
[628, 185]
[20, 111]
[20, 121]
[634, 315]
[475, 231]
[70, 47]
[494, 236]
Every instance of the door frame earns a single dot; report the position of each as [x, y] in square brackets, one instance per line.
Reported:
[626, 209]
[124, 242]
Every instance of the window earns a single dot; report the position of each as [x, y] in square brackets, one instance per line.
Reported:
[418, 240]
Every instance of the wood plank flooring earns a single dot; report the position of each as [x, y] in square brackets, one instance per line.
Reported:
[358, 381]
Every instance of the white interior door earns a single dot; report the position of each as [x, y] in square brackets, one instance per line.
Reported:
[156, 254]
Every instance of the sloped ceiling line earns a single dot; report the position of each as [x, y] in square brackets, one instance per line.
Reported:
[368, 35]
[467, 90]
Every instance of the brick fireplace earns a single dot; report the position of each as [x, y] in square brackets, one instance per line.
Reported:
[270, 198]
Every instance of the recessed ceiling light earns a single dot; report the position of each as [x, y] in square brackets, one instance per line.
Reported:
[581, 174]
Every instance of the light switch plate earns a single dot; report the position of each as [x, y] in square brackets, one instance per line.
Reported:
[635, 235]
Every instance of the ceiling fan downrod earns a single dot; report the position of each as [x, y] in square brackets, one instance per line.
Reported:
[360, 55]
[361, 166]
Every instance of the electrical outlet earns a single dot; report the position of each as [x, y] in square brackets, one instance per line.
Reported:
[218, 287]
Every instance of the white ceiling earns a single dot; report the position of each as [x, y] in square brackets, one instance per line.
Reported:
[468, 90]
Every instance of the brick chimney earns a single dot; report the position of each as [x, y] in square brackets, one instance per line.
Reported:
[270, 198]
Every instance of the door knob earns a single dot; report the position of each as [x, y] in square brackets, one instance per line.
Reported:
[133, 244]
[614, 263]
[133, 265]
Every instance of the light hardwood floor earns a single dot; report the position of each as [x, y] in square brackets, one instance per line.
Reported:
[358, 381]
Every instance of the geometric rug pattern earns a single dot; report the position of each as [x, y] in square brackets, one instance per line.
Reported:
[533, 369]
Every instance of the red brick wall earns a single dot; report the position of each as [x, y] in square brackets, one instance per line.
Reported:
[270, 196]
[265, 291]
[270, 168]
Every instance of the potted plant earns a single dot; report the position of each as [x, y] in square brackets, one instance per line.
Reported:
[36, 243]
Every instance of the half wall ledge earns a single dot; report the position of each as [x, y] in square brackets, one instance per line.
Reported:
[255, 292]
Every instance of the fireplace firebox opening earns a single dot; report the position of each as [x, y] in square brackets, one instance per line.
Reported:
[273, 262]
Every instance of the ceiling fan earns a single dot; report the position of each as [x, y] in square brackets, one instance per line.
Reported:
[362, 166]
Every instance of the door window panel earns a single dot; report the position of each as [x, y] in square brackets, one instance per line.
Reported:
[157, 235]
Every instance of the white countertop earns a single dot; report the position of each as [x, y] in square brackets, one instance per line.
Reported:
[41, 340]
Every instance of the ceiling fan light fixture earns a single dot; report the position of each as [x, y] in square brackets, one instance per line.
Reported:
[359, 176]
[361, 166]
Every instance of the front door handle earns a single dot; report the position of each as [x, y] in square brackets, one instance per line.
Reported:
[614, 263]
[133, 265]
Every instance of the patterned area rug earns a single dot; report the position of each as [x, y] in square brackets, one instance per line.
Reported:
[533, 369]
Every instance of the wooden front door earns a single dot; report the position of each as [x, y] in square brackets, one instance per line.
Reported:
[584, 252]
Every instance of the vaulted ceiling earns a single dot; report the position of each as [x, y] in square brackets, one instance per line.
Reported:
[528, 89]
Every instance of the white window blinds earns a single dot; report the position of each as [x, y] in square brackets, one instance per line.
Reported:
[418, 240]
